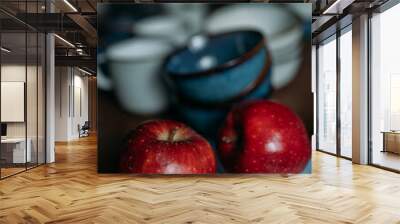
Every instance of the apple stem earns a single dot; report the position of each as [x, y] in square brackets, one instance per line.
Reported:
[172, 135]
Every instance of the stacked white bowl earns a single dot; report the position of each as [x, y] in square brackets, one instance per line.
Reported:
[281, 27]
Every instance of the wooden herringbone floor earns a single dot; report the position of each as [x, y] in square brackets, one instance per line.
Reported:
[70, 191]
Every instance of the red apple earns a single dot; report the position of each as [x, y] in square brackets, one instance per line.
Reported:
[167, 147]
[263, 137]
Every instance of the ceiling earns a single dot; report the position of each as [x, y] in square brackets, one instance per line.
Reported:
[76, 22]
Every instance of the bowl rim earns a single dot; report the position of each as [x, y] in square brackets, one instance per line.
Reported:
[224, 66]
[264, 73]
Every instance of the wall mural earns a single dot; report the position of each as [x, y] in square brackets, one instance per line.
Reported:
[204, 88]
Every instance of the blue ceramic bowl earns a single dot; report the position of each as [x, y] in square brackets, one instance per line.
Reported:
[225, 68]
[208, 118]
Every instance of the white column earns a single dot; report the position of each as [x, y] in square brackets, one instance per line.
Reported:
[50, 100]
[62, 103]
[360, 90]
[50, 92]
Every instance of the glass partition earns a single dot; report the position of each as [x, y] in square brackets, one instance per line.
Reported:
[23, 89]
[13, 109]
[31, 85]
[31, 99]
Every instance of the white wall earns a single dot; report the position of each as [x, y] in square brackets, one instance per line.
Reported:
[79, 103]
[71, 93]
[61, 103]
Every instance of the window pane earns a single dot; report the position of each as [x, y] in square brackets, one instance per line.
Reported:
[327, 97]
[385, 87]
[345, 94]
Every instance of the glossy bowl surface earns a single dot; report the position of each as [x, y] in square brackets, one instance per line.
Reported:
[225, 67]
[207, 119]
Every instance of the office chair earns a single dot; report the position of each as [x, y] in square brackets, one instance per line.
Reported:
[84, 130]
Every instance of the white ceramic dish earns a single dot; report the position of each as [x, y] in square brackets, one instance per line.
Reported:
[283, 74]
[271, 19]
[171, 28]
[289, 39]
[103, 82]
[279, 25]
[302, 10]
[288, 54]
[134, 68]
[191, 13]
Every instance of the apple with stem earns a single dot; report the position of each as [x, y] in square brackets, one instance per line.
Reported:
[262, 136]
[167, 147]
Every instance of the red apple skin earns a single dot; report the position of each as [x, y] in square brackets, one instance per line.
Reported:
[167, 147]
[262, 136]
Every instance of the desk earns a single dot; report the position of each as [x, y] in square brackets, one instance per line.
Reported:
[391, 141]
[13, 150]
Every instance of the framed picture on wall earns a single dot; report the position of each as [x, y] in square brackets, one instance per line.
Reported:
[12, 101]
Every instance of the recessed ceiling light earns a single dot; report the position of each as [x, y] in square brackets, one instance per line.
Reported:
[337, 7]
[64, 40]
[70, 5]
[84, 71]
[5, 50]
